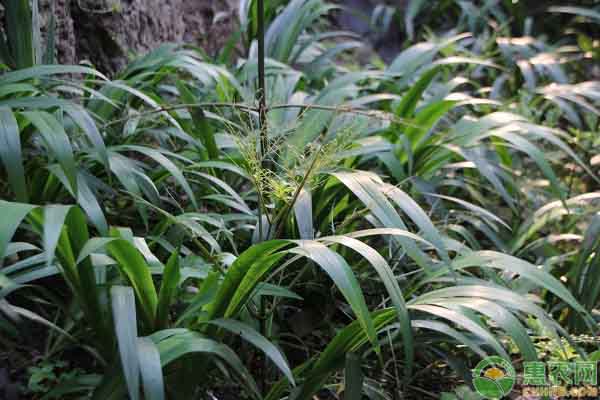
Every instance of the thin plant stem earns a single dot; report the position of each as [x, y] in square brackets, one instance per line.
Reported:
[262, 121]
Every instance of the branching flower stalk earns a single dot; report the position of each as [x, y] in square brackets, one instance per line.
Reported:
[262, 94]
[279, 221]
[375, 114]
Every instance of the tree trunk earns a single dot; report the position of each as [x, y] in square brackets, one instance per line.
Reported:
[108, 32]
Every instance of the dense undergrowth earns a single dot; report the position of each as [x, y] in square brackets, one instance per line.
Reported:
[376, 230]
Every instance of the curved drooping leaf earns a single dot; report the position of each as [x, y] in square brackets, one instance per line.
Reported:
[58, 142]
[44, 70]
[462, 319]
[345, 280]
[243, 275]
[258, 340]
[505, 262]
[174, 344]
[54, 219]
[389, 280]
[13, 214]
[367, 188]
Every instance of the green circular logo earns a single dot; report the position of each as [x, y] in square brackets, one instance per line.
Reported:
[494, 377]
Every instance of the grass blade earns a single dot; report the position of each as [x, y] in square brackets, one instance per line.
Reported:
[259, 341]
[54, 219]
[10, 154]
[353, 378]
[135, 268]
[57, 140]
[13, 214]
[150, 369]
[125, 320]
[168, 290]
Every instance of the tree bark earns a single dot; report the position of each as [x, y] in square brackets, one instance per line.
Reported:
[108, 33]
